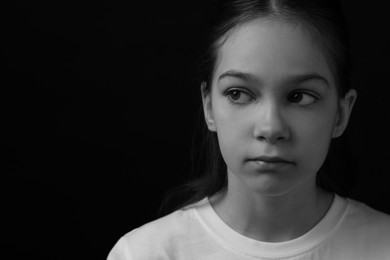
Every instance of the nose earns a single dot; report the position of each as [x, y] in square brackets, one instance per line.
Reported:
[271, 125]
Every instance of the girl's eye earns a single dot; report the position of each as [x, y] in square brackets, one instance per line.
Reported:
[302, 98]
[239, 96]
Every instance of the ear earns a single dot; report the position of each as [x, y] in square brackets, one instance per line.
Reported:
[207, 107]
[343, 115]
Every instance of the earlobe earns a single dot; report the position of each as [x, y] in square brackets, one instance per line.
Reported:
[344, 112]
[336, 132]
[207, 107]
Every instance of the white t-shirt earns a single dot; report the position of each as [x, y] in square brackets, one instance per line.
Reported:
[349, 230]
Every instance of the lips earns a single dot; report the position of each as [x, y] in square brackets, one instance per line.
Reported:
[271, 164]
[270, 159]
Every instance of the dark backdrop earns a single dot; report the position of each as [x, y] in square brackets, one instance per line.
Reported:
[98, 104]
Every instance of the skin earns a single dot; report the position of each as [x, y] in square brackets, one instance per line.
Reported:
[273, 94]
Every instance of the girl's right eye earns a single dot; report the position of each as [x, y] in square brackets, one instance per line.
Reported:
[237, 96]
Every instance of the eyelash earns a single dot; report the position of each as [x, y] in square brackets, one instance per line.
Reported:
[308, 93]
[228, 94]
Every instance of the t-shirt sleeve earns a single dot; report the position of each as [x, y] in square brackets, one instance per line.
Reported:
[120, 251]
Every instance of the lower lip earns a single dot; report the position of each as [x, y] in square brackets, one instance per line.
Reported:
[271, 166]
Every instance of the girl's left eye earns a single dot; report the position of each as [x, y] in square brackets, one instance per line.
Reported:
[302, 98]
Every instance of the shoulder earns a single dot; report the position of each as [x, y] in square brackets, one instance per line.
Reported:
[369, 217]
[368, 227]
[162, 229]
[156, 239]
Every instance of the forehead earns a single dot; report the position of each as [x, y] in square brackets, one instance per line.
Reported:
[271, 50]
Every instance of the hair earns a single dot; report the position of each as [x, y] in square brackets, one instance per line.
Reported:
[324, 21]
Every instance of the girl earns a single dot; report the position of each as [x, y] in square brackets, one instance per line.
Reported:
[276, 96]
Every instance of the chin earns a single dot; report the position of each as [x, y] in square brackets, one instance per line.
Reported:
[268, 185]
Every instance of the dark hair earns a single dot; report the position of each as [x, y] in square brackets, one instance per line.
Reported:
[325, 22]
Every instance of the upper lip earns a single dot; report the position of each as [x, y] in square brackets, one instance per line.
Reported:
[273, 159]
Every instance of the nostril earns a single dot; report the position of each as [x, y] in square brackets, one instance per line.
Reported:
[272, 137]
[271, 131]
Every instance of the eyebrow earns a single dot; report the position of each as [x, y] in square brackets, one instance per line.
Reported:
[295, 79]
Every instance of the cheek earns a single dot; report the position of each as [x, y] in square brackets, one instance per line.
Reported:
[313, 136]
[232, 130]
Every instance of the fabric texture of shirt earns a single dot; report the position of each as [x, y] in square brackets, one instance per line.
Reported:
[350, 230]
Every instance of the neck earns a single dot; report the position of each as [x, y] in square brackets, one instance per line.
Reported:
[271, 218]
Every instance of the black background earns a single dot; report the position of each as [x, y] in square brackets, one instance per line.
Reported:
[98, 104]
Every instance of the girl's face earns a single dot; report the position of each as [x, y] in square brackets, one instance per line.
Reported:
[274, 106]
